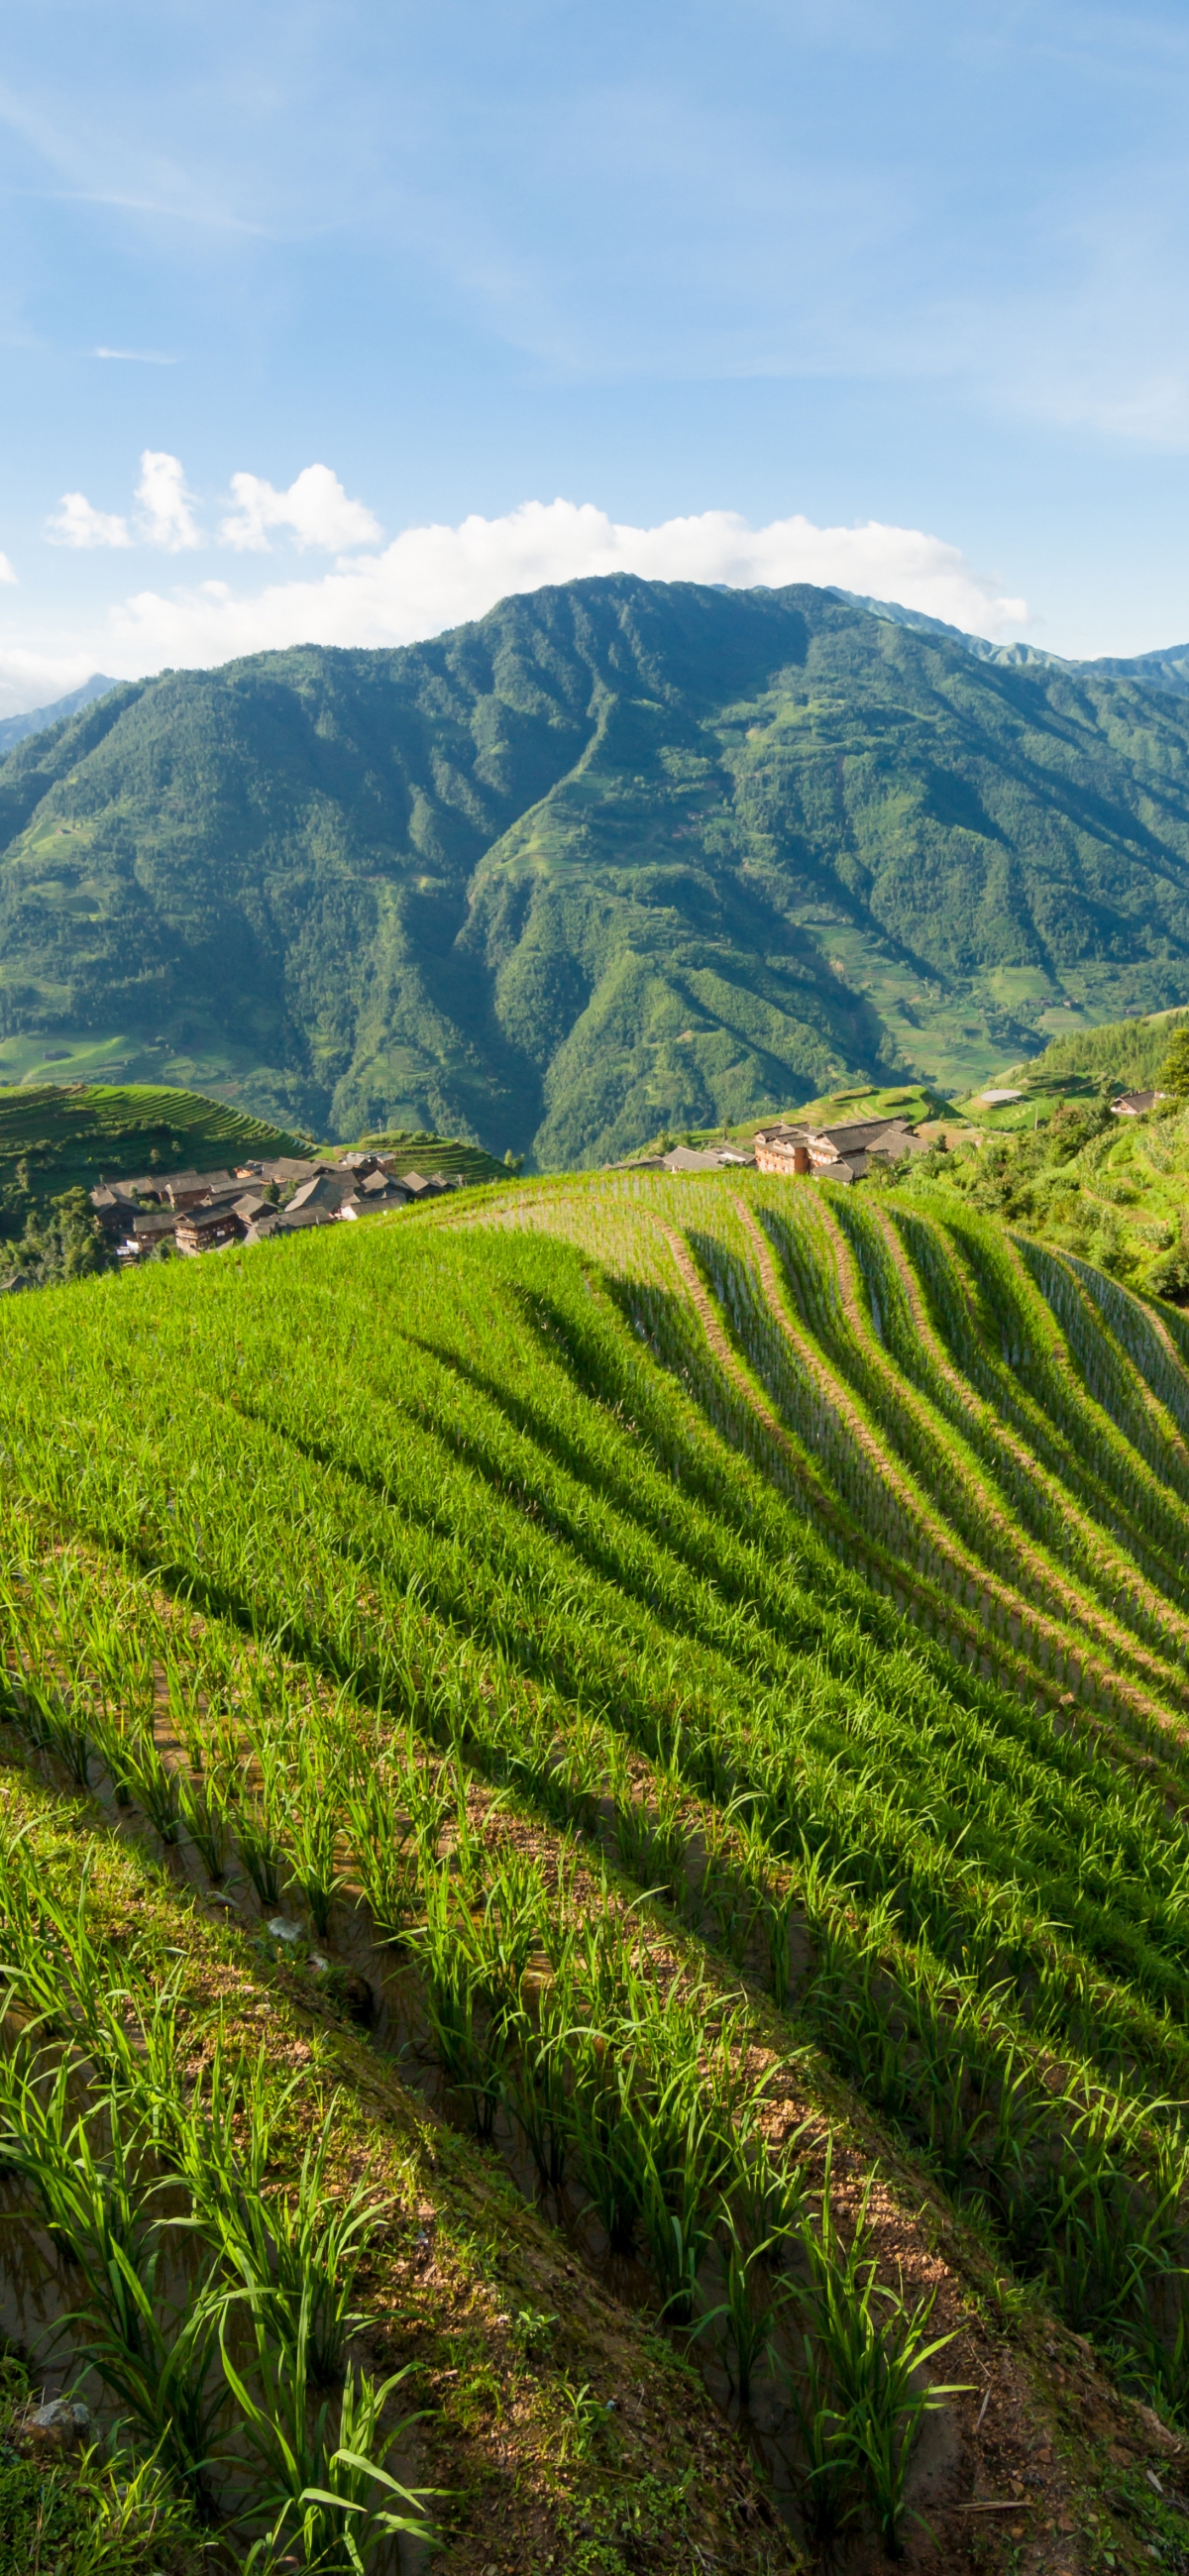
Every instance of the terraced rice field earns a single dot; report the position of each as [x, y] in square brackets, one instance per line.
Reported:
[697, 1669]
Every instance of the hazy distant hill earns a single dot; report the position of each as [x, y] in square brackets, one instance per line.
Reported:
[620, 856]
[1167, 669]
[14, 729]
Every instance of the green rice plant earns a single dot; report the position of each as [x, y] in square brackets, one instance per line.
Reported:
[867, 2347]
[111, 1749]
[203, 1809]
[88, 2169]
[312, 1831]
[827, 2487]
[261, 1851]
[136, 1763]
[470, 2039]
[297, 2255]
[768, 2201]
[611, 2149]
[388, 1881]
[688, 2154]
[750, 2309]
[59, 1727]
[223, 2140]
[56, 1972]
[321, 2470]
[39, 2125]
[185, 1714]
[777, 1916]
[635, 1840]
[159, 2364]
[516, 1904]
[135, 2046]
[536, 2089]
[294, 2250]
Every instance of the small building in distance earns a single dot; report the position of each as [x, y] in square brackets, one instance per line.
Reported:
[1134, 1104]
[195, 1189]
[783, 1149]
[417, 1186]
[840, 1153]
[151, 1226]
[207, 1229]
[706, 1158]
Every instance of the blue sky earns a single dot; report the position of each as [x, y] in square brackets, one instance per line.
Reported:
[894, 295]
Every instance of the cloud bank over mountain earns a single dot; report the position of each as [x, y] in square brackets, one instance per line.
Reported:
[430, 578]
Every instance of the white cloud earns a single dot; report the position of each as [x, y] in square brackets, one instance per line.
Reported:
[76, 523]
[434, 577]
[6, 570]
[166, 515]
[315, 509]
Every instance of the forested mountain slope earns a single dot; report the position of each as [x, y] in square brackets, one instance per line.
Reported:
[700, 1664]
[619, 856]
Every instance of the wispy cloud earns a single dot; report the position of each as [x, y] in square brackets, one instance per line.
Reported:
[6, 571]
[137, 357]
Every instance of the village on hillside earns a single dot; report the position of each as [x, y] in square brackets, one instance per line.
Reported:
[257, 1201]
[847, 1150]
[194, 1212]
[839, 1153]
[153, 1214]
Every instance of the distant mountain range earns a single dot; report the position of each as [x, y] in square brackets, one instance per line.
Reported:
[15, 729]
[620, 856]
[1167, 670]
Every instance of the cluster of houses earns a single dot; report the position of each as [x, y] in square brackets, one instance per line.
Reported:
[841, 1153]
[205, 1211]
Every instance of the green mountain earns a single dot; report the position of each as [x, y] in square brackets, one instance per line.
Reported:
[621, 856]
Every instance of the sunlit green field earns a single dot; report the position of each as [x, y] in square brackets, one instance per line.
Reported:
[724, 1642]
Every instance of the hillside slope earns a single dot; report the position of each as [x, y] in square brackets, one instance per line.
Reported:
[621, 856]
[66, 1137]
[705, 1662]
[1061, 1166]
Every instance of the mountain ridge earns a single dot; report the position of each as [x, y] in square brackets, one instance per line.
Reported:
[1166, 668]
[14, 729]
[619, 856]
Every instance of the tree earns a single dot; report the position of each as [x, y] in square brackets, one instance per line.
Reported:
[64, 1243]
[1174, 1072]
